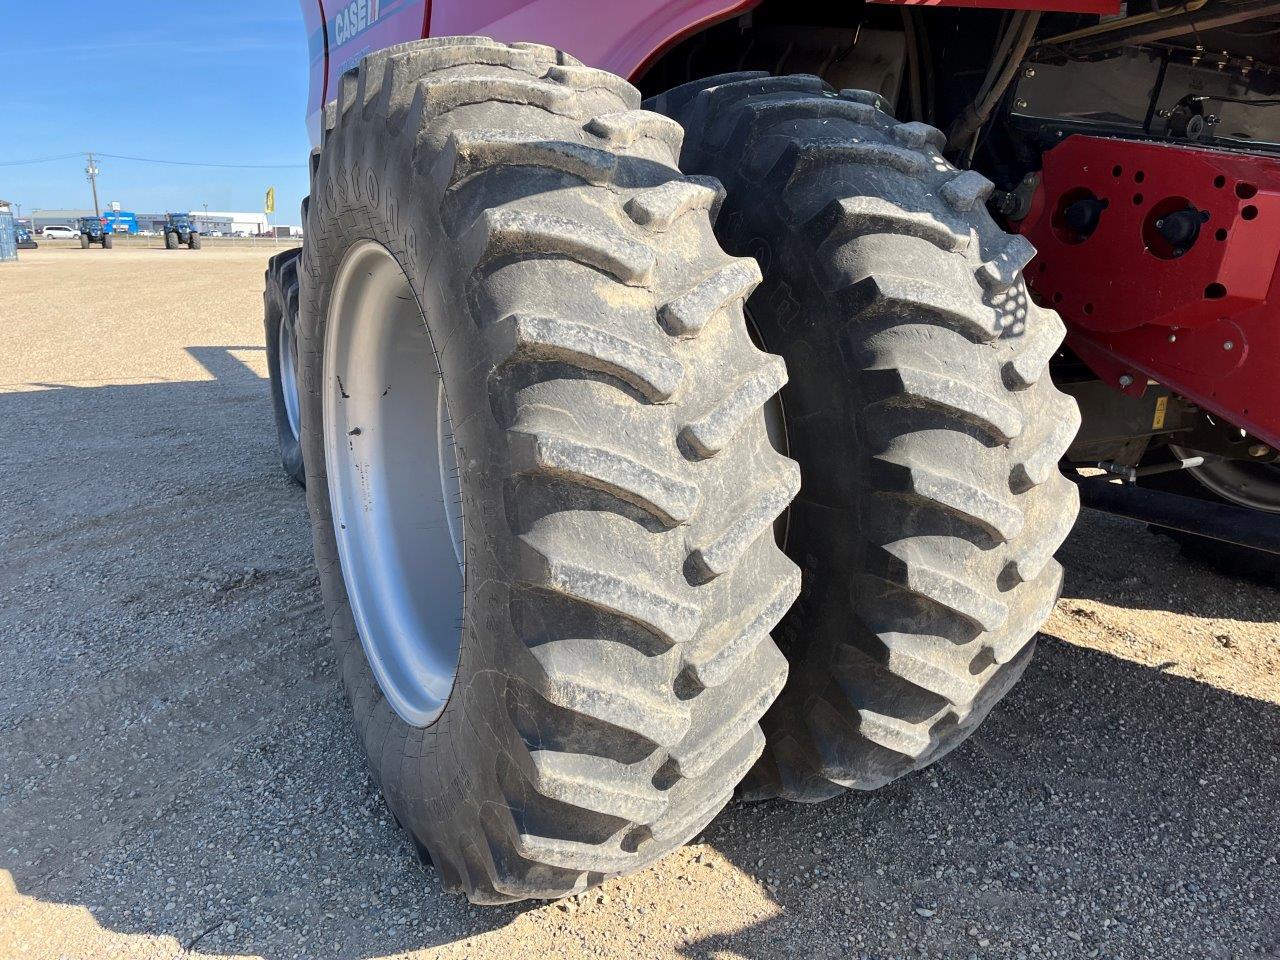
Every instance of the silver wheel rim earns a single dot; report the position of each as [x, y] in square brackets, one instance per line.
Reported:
[393, 483]
[1253, 485]
[288, 348]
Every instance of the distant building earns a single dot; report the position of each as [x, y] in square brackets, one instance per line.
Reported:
[227, 223]
[57, 218]
[120, 221]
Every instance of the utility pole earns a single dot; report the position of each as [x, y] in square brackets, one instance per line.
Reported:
[91, 174]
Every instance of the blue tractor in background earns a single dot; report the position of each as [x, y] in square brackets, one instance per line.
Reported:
[26, 239]
[179, 231]
[94, 230]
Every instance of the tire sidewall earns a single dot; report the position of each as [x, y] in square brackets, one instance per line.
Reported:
[798, 321]
[276, 314]
[357, 196]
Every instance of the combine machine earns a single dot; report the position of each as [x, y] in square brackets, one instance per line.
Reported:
[660, 449]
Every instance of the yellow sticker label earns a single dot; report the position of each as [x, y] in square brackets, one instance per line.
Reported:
[1162, 405]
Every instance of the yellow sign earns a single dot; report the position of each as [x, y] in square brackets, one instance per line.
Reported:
[271, 199]
[1162, 407]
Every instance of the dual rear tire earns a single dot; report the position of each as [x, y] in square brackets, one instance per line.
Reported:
[920, 409]
[280, 322]
[572, 688]
[543, 494]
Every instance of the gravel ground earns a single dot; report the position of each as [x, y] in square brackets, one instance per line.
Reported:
[178, 774]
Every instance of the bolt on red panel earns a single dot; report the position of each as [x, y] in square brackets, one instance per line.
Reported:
[1164, 262]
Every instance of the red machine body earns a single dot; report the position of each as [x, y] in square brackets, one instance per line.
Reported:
[1205, 322]
[1204, 319]
[624, 37]
[1106, 7]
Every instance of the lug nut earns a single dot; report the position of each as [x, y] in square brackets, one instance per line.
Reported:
[1228, 345]
[1126, 380]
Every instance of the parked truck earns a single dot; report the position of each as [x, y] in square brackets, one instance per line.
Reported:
[681, 409]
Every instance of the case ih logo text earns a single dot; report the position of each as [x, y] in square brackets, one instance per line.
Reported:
[354, 19]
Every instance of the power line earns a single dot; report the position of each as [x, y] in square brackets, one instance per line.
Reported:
[194, 163]
[19, 163]
[175, 163]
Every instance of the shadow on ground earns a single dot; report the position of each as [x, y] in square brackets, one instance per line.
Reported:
[177, 759]
[1126, 564]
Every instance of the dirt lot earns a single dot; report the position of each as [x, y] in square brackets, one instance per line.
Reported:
[177, 772]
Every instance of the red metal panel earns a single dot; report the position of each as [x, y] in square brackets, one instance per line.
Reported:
[346, 30]
[1205, 323]
[624, 37]
[1107, 7]
[359, 27]
[621, 37]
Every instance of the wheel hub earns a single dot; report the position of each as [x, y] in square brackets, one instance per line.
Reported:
[1254, 485]
[393, 483]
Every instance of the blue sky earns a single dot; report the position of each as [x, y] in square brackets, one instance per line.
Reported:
[221, 81]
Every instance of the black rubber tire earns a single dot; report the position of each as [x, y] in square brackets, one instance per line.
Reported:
[107, 242]
[84, 242]
[1226, 558]
[919, 409]
[617, 481]
[280, 306]
[170, 240]
[194, 242]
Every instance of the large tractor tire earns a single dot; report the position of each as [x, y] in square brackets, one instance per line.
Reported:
[919, 408]
[170, 240]
[194, 242]
[280, 319]
[84, 242]
[516, 321]
[107, 241]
